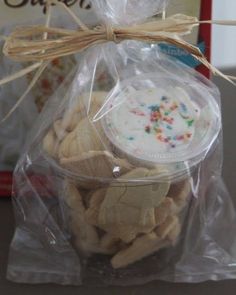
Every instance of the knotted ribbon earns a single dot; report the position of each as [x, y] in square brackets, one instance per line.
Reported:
[25, 44]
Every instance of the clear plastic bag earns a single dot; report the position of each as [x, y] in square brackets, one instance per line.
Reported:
[121, 183]
[14, 131]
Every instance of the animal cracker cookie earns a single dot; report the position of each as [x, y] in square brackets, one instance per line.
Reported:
[148, 244]
[82, 139]
[165, 209]
[130, 210]
[59, 130]
[86, 237]
[85, 106]
[50, 143]
[180, 192]
[140, 248]
[111, 243]
[96, 164]
[174, 233]
[167, 226]
[94, 206]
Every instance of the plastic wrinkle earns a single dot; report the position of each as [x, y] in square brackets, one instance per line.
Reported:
[119, 182]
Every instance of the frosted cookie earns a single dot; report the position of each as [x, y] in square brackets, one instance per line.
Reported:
[51, 79]
[161, 126]
[150, 122]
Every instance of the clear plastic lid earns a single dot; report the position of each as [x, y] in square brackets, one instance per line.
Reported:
[159, 120]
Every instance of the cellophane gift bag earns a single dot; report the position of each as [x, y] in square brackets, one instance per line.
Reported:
[122, 184]
[14, 131]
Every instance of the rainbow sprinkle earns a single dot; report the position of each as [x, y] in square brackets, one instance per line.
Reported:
[162, 121]
[137, 112]
[130, 138]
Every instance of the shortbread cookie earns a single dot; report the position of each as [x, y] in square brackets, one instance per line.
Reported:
[85, 137]
[70, 120]
[90, 104]
[59, 131]
[94, 206]
[86, 105]
[140, 248]
[174, 233]
[164, 236]
[131, 209]
[73, 198]
[110, 243]
[180, 192]
[167, 226]
[166, 208]
[50, 143]
[86, 237]
[96, 164]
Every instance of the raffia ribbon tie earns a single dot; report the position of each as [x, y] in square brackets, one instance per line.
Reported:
[24, 44]
[111, 36]
[42, 44]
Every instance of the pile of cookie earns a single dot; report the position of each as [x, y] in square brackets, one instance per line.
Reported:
[127, 220]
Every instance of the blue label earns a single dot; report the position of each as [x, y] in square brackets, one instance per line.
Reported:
[182, 54]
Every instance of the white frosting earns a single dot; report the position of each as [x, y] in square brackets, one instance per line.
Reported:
[152, 123]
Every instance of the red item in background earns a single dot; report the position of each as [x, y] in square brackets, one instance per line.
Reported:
[204, 35]
[5, 183]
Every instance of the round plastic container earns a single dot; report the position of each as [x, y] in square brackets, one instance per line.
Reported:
[158, 121]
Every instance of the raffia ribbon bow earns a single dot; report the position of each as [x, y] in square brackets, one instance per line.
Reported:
[60, 42]
[25, 44]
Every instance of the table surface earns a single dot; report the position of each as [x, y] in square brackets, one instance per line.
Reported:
[216, 288]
